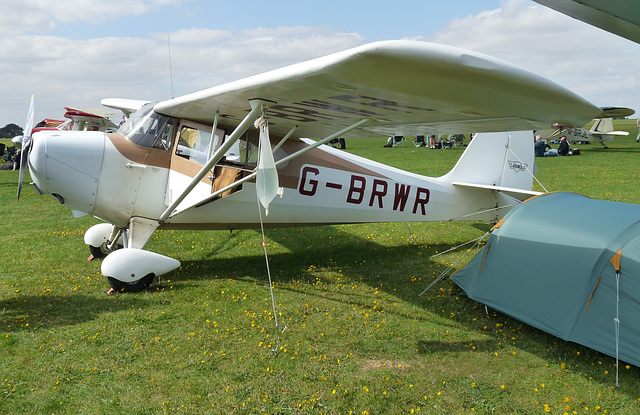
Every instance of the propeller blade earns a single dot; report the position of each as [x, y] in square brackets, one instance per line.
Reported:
[24, 157]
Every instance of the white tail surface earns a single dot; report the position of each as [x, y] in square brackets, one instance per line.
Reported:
[498, 161]
[602, 126]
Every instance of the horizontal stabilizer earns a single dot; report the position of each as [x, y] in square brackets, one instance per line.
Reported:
[605, 126]
[519, 194]
[618, 133]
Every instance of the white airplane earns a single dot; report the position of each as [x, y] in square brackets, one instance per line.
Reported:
[601, 131]
[197, 162]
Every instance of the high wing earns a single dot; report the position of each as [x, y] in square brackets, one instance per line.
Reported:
[400, 87]
[127, 106]
[93, 112]
[97, 119]
[619, 17]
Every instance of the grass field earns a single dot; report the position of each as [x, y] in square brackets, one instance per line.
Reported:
[359, 338]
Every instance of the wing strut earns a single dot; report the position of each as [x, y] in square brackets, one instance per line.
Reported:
[213, 133]
[285, 138]
[323, 141]
[237, 183]
[256, 110]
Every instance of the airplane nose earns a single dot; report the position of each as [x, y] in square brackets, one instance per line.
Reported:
[66, 165]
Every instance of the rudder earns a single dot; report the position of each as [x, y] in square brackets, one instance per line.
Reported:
[501, 160]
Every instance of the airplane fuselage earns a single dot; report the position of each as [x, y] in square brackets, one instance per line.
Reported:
[119, 180]
[580, 134]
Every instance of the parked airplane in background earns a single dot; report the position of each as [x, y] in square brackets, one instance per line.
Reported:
[76, 120]
[89, 120]
[601, 132]
[169, 165]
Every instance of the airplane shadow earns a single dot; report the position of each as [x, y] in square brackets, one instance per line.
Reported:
[34, 312]
[377, 265]
[344, 252]
[614, 149]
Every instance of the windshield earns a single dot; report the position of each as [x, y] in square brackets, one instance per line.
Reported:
[147, 128]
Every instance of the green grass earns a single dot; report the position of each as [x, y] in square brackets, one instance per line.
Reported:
[359, 339]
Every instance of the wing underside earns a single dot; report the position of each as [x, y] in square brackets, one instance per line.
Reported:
[619, 17]
[400, 87]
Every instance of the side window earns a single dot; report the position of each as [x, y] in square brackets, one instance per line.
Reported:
[249, 151]
[193, 144]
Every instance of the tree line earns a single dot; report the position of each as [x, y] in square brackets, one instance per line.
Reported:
[10, 131]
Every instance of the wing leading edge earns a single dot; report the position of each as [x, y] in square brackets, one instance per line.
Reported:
[401, 87]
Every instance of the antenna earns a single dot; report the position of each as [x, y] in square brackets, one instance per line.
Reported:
[170, 68]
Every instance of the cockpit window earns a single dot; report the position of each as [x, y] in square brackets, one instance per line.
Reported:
[147, 128]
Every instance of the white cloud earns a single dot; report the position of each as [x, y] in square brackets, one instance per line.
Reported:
[198, 66]
[65, 72]
[597, 65]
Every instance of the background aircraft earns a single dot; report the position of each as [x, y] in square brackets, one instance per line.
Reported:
[89, 120]
[76, 120]
[169, 166]
[601, 131]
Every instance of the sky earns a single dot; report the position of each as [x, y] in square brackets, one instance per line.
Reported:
[81, 51]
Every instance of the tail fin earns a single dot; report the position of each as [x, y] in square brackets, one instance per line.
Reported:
[498, 161]
[602, 126]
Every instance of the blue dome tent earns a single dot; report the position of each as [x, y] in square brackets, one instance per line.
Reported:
[568, 265]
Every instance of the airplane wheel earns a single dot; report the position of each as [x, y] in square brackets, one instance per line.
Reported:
[100, 252]
[142, 284]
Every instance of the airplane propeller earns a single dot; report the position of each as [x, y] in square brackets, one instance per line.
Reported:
[26, 147]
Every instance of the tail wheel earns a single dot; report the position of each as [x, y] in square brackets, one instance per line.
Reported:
[142, 284]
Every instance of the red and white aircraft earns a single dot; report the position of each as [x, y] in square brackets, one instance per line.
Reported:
[76, 120]
[199, 162]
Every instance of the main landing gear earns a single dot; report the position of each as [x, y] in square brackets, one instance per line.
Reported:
[126, 265]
